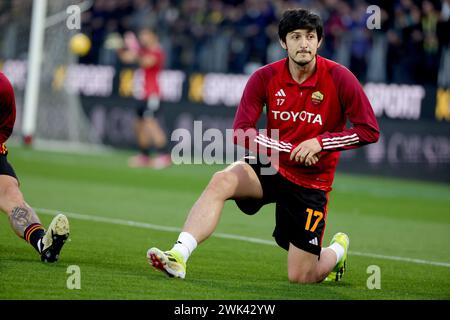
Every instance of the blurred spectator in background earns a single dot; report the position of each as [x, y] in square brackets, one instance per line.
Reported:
[147, 53]
[429, 23]
[443, 33]
[361, 42]
[15, 29]
[236, 36]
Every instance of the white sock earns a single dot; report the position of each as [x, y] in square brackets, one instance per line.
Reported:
[185, 244]
[339, 250]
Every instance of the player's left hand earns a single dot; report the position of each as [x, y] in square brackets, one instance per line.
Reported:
[307, 152]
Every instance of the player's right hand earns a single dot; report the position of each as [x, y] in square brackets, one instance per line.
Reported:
[307, 152]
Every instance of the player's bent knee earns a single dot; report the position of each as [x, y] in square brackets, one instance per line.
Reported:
[293, 277]
[307, 278]
[223, 182]
[302, 278]
[299, 276]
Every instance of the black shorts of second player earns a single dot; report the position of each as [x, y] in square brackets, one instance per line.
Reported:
[149, 108]
[300, 212]
[6, 168]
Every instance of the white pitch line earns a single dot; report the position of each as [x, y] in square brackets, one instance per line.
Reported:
[419, 261]
[144, 225]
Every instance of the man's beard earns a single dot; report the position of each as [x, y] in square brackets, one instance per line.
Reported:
[302, 63]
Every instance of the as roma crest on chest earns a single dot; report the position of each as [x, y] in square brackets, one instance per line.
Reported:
[317, 97]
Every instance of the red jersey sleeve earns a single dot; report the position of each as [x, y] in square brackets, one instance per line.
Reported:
[358, 111]
[248, 113]
[7, 109]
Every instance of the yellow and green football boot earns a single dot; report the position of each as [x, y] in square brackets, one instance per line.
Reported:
[170, 262]
[338, 271]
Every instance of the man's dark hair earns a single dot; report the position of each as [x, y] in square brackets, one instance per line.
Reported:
[299, 19]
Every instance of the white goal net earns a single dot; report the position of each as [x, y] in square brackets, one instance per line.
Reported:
[59, 115]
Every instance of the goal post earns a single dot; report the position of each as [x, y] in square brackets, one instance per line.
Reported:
[48, 114]
[34, 68]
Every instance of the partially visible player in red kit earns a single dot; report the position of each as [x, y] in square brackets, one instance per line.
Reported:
[23, 219]
[308, 100]
[148, 54]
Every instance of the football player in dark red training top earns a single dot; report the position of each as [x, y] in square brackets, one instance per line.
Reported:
[23, 219]
[148, 53]
[308, 101]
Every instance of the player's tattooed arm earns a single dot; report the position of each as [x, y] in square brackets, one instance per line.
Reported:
[21, 217]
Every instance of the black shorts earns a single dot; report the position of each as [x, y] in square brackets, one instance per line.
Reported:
[6, 168]
[149, 108]
[300, 212]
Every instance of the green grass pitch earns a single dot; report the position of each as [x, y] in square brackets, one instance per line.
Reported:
[390, 222]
